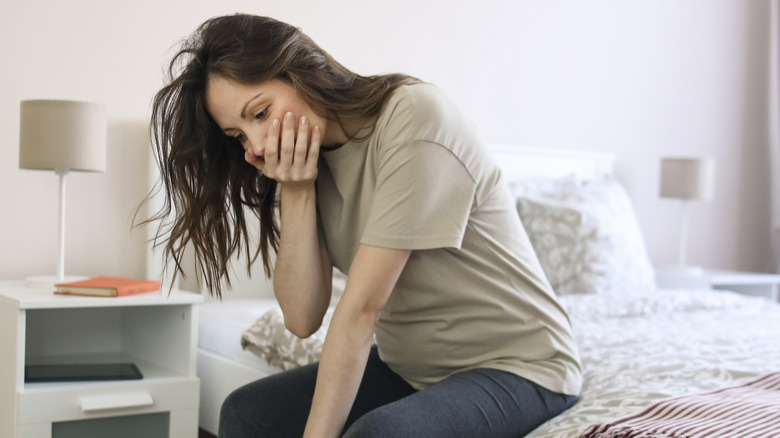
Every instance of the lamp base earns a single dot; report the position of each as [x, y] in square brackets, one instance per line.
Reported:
[48, 281]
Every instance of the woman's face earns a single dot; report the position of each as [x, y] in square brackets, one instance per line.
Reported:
[246, 112]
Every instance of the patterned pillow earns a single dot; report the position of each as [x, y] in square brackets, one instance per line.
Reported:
[270, 339]
[587, 237]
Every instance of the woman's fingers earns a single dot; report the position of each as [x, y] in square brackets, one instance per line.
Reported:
[314, 150]
[287, 145]
[291, 152]
[272, 149]
[302, 143]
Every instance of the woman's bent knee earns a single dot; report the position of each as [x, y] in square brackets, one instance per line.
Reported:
[378, 423]
[237, 419]
[276, 406]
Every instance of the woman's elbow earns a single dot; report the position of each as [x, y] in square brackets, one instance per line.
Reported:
[302, 327]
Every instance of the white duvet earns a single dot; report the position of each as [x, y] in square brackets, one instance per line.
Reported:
[639, 349]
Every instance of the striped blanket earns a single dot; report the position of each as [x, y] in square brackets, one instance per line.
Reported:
[748, 410]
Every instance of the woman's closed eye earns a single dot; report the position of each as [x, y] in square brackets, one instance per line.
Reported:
[240, 137]
[262, 114]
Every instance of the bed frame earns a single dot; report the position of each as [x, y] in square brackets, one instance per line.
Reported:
[220, 376]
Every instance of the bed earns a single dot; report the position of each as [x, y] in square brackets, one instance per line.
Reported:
[640, 345]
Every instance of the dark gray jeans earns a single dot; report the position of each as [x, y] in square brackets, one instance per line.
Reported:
[479, 403]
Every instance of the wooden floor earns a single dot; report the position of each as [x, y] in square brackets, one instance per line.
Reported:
[203, 434]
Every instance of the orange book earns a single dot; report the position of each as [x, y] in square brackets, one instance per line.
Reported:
[107, 287]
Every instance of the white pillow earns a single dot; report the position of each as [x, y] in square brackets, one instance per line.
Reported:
[586, 236]
[544, 188]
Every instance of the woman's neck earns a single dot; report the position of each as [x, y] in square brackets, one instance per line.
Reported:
[341, 133]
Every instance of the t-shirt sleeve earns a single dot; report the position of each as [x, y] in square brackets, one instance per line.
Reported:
[422, 199]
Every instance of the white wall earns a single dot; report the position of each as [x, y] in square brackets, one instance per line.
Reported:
[643, 79]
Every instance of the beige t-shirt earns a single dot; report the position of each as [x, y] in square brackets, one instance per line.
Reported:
[472, 294]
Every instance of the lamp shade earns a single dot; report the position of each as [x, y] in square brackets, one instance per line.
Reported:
[62, 135]
[687, 178]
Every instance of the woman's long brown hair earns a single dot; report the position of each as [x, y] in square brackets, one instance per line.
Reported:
[208, 186]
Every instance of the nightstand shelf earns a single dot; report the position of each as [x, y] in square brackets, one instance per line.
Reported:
[156, 332]
[748, 283]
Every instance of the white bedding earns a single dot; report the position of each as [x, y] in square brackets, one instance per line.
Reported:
[639, 349]
[221, 324]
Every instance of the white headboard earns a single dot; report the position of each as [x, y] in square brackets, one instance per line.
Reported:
[517, 163]
[520, 162]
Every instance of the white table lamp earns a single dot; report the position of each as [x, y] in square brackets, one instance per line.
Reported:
[687, 179]
[62, 136]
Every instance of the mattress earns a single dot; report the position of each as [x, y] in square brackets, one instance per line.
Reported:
[221, 324]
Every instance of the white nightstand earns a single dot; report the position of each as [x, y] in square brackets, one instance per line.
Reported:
[748, 283]
[157, 332]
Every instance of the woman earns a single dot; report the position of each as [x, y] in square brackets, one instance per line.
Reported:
[383, 178]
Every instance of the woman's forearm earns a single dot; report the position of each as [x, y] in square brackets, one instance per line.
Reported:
[342, 363]
[372, 277]
[301, 281]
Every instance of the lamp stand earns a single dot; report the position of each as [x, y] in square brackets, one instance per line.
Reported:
[48, 281]
[61, 252]
[682, 265]
[684, 233]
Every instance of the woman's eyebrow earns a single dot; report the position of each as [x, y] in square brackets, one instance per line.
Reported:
[243, 110]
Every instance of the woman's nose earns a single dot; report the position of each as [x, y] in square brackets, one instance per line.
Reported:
[254, 143]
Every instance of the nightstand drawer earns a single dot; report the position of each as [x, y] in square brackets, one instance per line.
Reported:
[47, 402]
